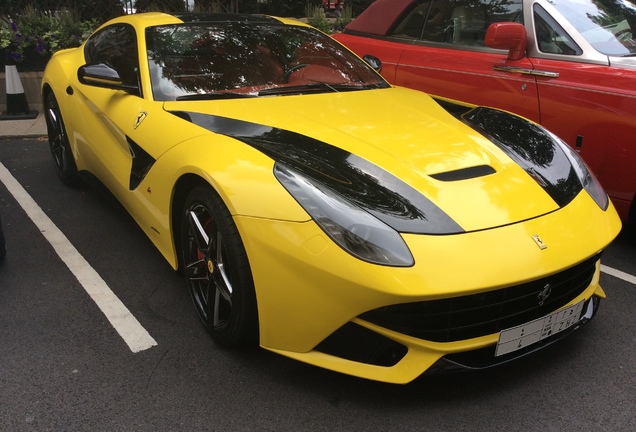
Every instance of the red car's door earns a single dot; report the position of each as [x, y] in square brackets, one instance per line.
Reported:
[470, 76]
[588, 107]
[450, 57]
[387, 52]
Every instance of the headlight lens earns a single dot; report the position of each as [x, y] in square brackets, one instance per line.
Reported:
[352, 228]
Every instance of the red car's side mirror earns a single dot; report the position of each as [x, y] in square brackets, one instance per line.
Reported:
[510, 36]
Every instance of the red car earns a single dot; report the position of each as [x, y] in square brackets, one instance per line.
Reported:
[567, 64]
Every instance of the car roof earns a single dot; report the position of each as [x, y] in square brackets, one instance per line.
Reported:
[225, 17]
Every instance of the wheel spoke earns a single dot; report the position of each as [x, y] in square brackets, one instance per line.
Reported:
[220, 264]
[200, 236]
[197, 270]
[56, 139]
[216, 319]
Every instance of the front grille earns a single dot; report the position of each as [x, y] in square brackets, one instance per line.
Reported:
[475, 315]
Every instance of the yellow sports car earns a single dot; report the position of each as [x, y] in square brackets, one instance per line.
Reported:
[322, 213]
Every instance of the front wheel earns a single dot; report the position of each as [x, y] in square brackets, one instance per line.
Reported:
[58, 142]
[217, 270]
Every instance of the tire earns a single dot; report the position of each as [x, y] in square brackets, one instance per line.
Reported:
[58, 142]
[217, 270]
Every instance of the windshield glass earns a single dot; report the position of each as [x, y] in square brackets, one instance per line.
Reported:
[608, 25]
[192, 60]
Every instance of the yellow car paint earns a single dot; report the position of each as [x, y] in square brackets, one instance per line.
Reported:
[306, 285]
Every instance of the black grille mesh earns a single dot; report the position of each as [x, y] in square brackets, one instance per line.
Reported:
[475, 315]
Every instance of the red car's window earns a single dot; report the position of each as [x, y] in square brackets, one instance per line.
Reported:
[608, 25]
[551, 38]
[460, 22]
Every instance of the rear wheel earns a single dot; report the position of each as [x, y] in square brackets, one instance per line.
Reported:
[58, 142]
[217, 270]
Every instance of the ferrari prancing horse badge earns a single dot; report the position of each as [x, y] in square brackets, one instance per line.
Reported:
[140, 117]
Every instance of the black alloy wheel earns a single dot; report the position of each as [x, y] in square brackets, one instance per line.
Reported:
[58, 142]
[217, 270]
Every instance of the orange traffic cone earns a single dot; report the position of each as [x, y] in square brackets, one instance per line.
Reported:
[17, 105]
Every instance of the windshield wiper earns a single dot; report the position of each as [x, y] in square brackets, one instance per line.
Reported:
[214, 95]
[316, 88]
[305, 88]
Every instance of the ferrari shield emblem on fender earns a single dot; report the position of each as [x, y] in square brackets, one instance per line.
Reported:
[140, 117]
[539, 242]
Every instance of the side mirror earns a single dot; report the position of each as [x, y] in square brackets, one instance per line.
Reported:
[509, 36]
[373, 61]
[101, 75]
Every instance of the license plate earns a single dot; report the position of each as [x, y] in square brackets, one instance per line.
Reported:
[519, 337]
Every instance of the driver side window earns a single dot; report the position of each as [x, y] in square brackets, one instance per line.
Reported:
[116, 46]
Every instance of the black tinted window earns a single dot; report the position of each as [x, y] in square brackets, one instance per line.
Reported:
[203, 58]
[115, 46]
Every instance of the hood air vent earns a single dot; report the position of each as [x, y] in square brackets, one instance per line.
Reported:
[464, 173]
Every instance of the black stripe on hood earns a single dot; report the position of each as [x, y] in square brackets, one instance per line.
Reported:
[357, 180]
[534, 149]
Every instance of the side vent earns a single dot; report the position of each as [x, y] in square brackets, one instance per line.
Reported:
[464, 173]
[141, 163]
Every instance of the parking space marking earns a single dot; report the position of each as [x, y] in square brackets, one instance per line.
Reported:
[619, 274]
[135, 336]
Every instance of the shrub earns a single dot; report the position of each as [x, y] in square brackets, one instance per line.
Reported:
[34, 36]
[316, 17]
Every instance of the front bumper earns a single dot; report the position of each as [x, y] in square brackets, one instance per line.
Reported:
[310, 292]
[368, 351]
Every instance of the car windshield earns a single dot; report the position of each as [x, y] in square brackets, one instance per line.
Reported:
[608, 25]
[222, 60]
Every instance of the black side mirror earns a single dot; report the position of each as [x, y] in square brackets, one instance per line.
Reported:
[101, 75]
[373, 61]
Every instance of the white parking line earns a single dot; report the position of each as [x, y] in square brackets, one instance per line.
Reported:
[137, 338]
[619, 274]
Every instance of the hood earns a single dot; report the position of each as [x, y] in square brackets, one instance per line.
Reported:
[473, 168]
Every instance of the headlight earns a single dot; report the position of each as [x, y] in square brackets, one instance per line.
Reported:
[352, 228]
[588, 180]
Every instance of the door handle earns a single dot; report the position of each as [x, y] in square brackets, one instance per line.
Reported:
[524, 71]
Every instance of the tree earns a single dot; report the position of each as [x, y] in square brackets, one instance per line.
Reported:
[160, 6]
